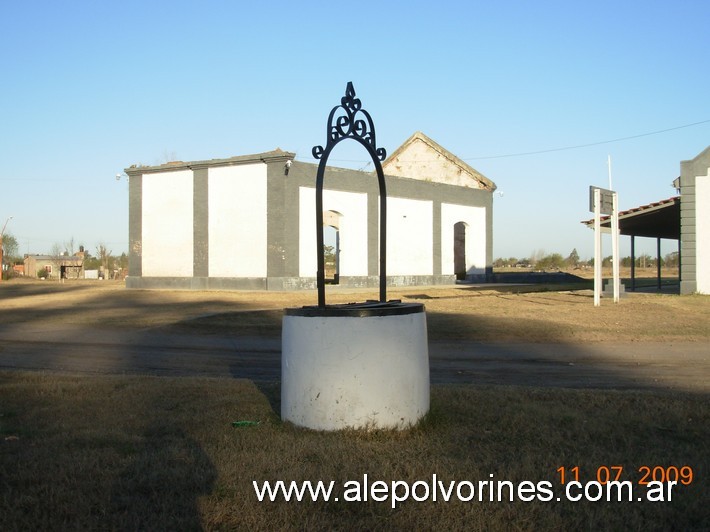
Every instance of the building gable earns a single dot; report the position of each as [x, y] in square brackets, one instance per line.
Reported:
[423, 159]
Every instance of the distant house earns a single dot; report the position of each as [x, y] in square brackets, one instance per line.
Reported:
[248, 222]
[55, 266]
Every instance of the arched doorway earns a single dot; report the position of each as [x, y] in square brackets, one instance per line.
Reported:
[460, 250]
[331, 246]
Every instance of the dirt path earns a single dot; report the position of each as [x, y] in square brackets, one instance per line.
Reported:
[62, 348]
[482, 335]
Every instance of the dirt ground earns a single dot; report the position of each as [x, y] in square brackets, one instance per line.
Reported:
[485, 334]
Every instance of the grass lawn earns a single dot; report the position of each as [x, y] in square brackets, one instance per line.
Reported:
[129, 453]
[156, 453]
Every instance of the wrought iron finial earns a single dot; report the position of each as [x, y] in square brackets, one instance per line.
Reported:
[350, 120]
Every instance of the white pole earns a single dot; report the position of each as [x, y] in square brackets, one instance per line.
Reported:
[597, 247]
[616, 279]
[615, 244]
[608, 162]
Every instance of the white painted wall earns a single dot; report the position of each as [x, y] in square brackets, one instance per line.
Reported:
[167, 246]
[409, 237]
[353, 230]
[475, 220]
[702, 232]
[237, 221]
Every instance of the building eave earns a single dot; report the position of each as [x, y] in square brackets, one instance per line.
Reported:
[276, 155]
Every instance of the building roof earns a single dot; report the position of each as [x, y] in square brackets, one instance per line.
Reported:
[56, 258]
[660, 219]
[277, 154]
[419, 158]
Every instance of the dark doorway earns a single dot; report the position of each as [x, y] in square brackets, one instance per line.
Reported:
[460, 250]
[331, 246]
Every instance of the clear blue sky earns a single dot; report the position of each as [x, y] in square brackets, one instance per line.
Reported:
[89, 88]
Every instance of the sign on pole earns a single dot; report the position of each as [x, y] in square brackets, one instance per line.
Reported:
[603, 201]
[606, 200]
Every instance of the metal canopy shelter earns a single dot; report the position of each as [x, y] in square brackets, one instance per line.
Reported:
[656, 220]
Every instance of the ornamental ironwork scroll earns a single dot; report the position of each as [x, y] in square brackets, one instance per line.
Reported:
[350, 121]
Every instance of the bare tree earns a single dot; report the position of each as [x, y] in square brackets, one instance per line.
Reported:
[168, 157]
[56, 257]
[69, 247]
[104, 255]
[536, 256]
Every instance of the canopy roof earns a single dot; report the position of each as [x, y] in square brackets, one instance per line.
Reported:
[655, 220]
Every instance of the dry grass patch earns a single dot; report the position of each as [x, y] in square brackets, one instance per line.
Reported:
[492, 315]
[568, 317]
[159, 453]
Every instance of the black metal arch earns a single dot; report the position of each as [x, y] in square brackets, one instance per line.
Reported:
[350, 121]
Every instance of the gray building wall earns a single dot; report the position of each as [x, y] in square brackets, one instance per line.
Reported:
[283, 223]
[688, 227]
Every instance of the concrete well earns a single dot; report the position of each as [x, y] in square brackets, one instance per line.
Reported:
[355, 366]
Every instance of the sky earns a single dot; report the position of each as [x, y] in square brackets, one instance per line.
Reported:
[534, 95]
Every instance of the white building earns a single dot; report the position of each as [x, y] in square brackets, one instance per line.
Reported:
[248, 222]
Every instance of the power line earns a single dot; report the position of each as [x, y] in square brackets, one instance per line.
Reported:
[563, 148]
[577, 146]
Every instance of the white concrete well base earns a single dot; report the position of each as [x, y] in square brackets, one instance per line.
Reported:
[355, 366]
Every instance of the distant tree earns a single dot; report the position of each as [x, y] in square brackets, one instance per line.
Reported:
[91, 262]
[573, 259]
[550, 262]
[537, 256]
[671, 260]
[644, 261]
[329, 256]
[9, 252]
[123, 261]
[10, 247]
[104, 255]
[56, 257]
[501, 262]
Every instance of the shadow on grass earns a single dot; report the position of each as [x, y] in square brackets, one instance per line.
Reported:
[272, 393]
[136, 453]
[471, 348]
[158, 490]
[113, 453]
